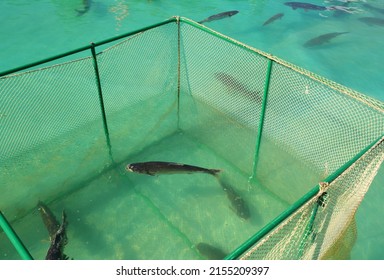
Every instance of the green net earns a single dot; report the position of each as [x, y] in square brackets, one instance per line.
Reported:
[139, 83]
[180, 92]
[46, 115]
[324, 227]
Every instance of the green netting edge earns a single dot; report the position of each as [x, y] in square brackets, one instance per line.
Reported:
[84, 48]
[369, 101]
[294, 207]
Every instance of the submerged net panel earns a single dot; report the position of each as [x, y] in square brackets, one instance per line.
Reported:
[47, 136]
[324, 227]
[321, 127]
[210, 89]
[308, 129]
[222, 86]
[139, 84]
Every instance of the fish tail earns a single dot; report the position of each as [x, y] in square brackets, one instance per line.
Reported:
[214, 172]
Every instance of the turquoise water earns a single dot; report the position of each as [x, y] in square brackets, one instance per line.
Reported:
[37, 29]
[120, 215]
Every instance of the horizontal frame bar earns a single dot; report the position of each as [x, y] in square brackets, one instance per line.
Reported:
[299, 203]
[88, 47]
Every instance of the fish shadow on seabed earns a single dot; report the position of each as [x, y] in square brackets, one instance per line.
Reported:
[154, 168]
[243, 208]
[210, 252]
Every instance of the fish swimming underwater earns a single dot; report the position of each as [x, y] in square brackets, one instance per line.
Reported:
[210, 252]
[305, 6]
[325, 38]
[373, 8]
[219, 16]
[49, 219]
[86, 7]
[239, 206]
[372, 21]
[160, 167]
[58, 242]
[233, 84]
[273, 18]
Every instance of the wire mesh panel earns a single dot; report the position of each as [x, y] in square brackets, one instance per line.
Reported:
[320, 127]
[313, 120]
[139, 84]
[180, 92]
[344, 195]
[222, 86]
[46, 133]
[324, 227]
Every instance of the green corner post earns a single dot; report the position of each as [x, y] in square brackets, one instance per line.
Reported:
[262, 117]
[14, 238]
[101, 99]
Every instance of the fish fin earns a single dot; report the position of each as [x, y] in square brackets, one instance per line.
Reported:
[66, 257]
[150, 173]
[214, 172]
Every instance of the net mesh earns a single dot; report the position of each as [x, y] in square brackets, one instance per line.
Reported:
[180, 78]
[44, 123]
[221, 83]
[333, 231]
[139, 83]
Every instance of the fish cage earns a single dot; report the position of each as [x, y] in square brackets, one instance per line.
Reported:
[296, 152]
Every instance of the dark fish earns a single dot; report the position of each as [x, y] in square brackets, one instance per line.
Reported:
[219, 16]
[159, 167]
[49, 219]
[58, 242]
[305, 6]
[238, 203]
[372, 21]
[373, 8]
[319, 40]
[86, 7]
[232, 83]
[210, 252]
[273, 18]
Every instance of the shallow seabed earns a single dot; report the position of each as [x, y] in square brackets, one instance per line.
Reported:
[33, 30]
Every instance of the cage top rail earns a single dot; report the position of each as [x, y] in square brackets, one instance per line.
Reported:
[371, 102]
[315, 191]
[84, 48]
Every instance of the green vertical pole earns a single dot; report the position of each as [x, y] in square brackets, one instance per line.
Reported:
[178, 71]
[102, 107]
[15, 240]
[262, 117]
